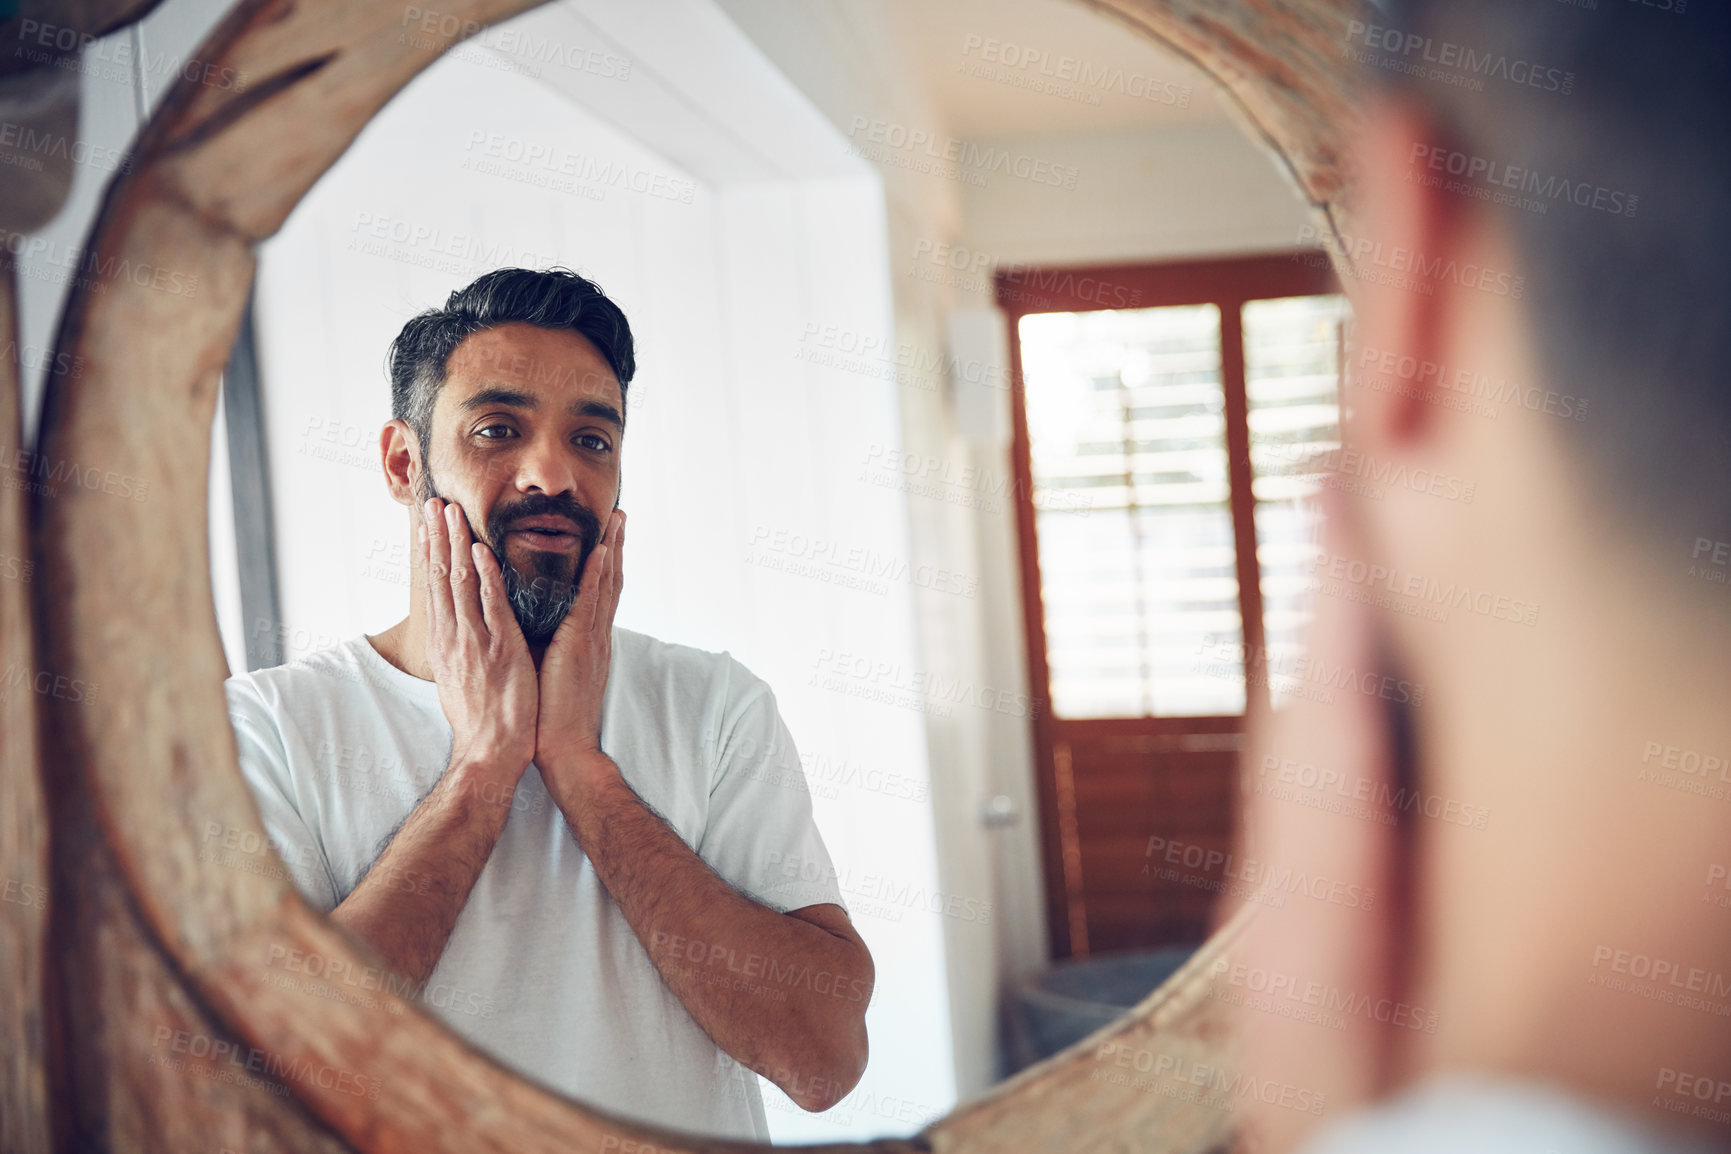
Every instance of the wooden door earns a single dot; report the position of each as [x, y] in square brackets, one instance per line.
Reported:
[1152, 431]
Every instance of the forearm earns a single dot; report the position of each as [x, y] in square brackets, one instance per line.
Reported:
[407, 904]
[783, 996]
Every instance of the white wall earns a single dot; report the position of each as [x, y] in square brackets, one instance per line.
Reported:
[844, 57]
[1163, 194]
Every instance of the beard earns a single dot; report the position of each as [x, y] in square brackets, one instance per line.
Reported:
[542, 595]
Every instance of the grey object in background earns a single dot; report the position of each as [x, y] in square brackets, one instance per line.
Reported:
[1064, 1004]
[249, 476]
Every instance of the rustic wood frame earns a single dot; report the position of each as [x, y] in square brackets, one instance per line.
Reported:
[128, 993]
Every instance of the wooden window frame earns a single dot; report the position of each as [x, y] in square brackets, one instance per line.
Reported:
[1229, 283]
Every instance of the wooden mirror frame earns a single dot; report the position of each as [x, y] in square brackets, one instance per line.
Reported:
[132, 985]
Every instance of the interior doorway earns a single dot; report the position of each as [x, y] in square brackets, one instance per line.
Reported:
[1167, 420]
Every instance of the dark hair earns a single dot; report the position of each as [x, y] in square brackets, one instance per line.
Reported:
[555, 298]
[1626, 283]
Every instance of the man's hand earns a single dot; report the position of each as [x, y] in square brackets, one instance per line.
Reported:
[811, 1042]
[486, 680]
[487, 688]
[574, 670]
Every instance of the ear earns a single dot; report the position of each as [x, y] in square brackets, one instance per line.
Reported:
[1408, 227]
[400, 453]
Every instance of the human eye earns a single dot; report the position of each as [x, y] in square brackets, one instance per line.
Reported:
[495, 432]
[594, 442]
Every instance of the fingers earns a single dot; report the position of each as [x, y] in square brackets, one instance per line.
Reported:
[597, 582]
[607, 594]
[426, 580]
[495, 605]
[1340, 947]
[437, 555]
[589, 590]
[618, 564]
[465, 596]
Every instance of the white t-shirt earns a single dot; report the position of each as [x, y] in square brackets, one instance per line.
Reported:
[1473, 1114]
[542, 971]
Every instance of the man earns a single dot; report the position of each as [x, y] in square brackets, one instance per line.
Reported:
[1540, 220]
[559, 830]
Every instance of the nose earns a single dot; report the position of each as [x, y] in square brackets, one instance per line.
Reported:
[544, 466]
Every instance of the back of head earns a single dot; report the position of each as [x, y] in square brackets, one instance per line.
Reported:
[1613, 116]
[1579, 146]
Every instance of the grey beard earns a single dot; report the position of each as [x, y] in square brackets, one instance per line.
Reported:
[539, 604]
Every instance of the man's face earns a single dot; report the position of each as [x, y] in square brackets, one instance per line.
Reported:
[526, 439]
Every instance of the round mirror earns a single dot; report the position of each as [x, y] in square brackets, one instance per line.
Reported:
[922, 723]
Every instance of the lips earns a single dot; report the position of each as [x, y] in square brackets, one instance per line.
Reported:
[547, 523]
[547, 542]
[546, 532]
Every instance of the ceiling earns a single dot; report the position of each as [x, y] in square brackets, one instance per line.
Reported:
[997, 68]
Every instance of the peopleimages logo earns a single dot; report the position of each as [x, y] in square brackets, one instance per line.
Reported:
[1468, 383]
[491, 153]
[974, 159]
[891, 683]
[1497, 175]
[110, 57]
[1398, 267]
[1441, 595]
[1299, 676]
[894, 893]
[1216, 1086]
[24, 146]
[27, 894]
[1459, 64]
[1014, 282]
[1359, 471]
[1024, 284]
[1261, 874]
[1663, 973]
[754, 970]
[1700, 1087]
[214, 1053]
[1067, 77]
[415, 242]
[875, 355]
[1274, 984]
[89, 269]
[1381, 794]
[47, 683]
[810, 555]
[522, 44]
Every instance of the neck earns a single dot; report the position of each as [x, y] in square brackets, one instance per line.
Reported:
[404, 645]
[1594, 880]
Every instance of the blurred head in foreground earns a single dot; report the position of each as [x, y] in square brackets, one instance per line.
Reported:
[1541, 217]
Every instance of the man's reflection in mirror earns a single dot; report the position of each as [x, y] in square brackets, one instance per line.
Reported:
[557, 832]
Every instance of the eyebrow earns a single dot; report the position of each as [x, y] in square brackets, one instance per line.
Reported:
[511, 398]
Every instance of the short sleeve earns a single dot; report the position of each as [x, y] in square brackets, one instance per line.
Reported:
[760, 835]
[264, 765]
